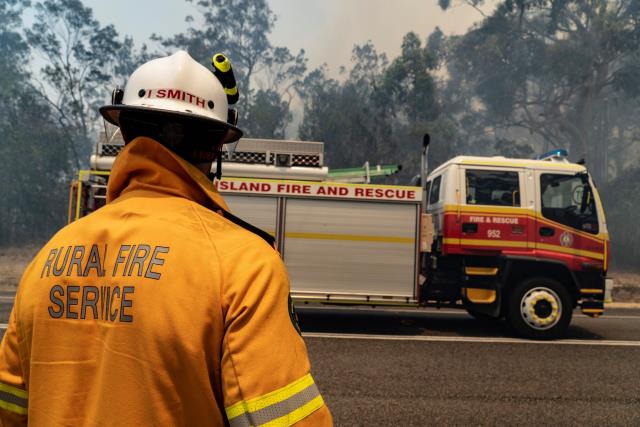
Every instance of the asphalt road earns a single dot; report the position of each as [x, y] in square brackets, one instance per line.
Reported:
[424, 367]
[419, 367]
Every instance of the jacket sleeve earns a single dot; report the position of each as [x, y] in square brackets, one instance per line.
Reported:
[13, 393]
[265, 367]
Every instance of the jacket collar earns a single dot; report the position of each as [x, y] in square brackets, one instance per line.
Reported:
[145, 165]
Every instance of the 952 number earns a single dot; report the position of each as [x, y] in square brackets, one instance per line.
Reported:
[493, 234]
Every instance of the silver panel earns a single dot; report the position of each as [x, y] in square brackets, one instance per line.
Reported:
[278, 145]
[351, 247]
[272, 172]
[257, 211]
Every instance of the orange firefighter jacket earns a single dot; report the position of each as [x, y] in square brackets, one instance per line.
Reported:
[156, 310]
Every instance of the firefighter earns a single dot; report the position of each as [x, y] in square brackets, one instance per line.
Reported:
[161, 308]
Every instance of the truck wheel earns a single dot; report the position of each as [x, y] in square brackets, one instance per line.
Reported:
[540, 308]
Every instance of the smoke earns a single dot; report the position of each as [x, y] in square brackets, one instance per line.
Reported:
[328, 30]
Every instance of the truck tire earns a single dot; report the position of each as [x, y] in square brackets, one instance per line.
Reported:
[539, 308]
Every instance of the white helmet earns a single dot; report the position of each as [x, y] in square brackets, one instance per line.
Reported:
[176, 85]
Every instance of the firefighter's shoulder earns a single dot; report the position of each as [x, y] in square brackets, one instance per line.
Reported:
[235, 232]
[246, 258]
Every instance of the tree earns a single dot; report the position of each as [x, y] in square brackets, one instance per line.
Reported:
[351, 117]
[410, 82]
[13, 49]
[416, 107]
[547, 67]
[84, 61]
[381, 111]
[268, 109]
[510, 148]
[32, 191]
[267, 115]
[242, 34]
[620, 201]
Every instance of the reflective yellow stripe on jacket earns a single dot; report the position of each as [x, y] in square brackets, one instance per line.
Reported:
[13, 399]
[282, 407]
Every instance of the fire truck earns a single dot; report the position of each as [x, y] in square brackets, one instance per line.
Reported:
[520, 239]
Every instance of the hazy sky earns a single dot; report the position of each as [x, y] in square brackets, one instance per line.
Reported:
[326, 29]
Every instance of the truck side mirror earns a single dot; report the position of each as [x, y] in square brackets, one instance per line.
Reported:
[425, 140]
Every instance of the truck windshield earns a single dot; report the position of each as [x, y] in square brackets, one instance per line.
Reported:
[568, 199]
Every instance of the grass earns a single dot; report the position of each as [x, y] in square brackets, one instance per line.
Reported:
[626, 286]
[13, 261]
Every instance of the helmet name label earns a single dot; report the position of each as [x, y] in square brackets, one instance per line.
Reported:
[178, 94]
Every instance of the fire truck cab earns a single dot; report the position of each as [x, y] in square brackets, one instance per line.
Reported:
[517, 238]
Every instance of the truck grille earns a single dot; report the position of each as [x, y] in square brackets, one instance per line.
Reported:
[245, 157]
[110, 150]
[309, 160]
[306, 160]
[248, 151]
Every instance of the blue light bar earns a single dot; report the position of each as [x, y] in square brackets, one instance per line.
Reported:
[559, 152]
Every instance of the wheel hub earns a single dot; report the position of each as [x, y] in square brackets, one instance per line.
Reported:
[541, 308]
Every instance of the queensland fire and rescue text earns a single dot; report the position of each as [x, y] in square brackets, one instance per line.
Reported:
[110, 299]
[317, 189]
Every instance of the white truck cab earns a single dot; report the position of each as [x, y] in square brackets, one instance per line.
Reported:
[527, 238]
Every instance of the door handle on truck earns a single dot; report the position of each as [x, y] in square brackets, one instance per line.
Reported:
[469, 227]
[547, 231]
